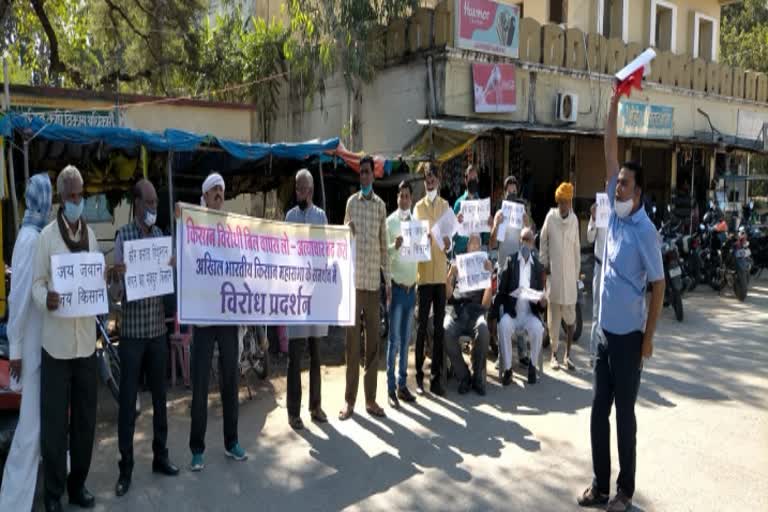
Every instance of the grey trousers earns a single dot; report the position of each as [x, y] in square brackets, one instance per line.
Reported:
[468, 320]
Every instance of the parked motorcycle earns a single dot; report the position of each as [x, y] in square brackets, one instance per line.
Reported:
[673, 276]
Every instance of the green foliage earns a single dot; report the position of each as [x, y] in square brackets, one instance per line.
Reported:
[744, 35]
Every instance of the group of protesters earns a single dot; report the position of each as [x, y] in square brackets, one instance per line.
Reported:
[55, 357]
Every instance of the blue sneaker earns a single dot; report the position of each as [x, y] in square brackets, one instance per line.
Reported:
[197, 462]
[236, 452]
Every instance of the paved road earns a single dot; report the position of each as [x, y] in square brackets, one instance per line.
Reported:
[703, 437]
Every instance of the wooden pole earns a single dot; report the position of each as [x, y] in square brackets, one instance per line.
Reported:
[169, 170]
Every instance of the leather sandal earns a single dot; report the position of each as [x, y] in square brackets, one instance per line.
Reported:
[318, 415]
[375, 410]
[346, 412]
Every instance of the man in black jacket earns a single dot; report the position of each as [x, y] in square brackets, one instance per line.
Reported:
[522, 274]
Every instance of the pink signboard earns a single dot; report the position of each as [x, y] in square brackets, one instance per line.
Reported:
[494, 88]
[489, 26]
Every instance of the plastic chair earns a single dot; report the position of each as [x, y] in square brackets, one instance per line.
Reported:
[180, 344]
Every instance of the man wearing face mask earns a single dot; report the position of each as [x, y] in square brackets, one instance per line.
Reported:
[472, 182]
[511, 242]
[305, 213]
[202, 353]
[632, 257]
[24, 331]
[403, 300]
[561, 257]
[521, 270]
[68, 370]
[142, 340]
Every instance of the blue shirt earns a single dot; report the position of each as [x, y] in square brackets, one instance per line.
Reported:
[312, 215]
[460, 242]
[631, 258]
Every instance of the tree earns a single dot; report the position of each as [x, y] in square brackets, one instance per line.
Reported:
[744, 35]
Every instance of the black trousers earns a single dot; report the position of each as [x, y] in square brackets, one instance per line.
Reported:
[229, 373]
[295, 353]
[152, 354]
[617, 378]
[68, 393]
[430, 296]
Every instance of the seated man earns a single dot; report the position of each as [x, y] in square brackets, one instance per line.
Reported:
[468, 319]
[521, 270]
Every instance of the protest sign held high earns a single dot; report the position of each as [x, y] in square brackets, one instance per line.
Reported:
[513, 213]
[234, 269]
[147, 269]
[416, 246]
[78, 278]
[475, 215]
[603, 210]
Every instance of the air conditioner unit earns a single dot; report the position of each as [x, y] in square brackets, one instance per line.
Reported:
[567, 107]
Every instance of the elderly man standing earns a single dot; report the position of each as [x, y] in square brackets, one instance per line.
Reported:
[631, 259]
[561, 257]
[305, 213]
[68, 371]
[202, 353]
[366, 216]
[24, 330]
[142, 340]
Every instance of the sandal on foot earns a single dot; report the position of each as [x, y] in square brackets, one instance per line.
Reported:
[591, 497]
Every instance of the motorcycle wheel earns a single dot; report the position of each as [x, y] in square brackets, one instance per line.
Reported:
[677, 304]
[740, 285]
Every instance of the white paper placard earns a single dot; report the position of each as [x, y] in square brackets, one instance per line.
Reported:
[416, 246]
[472, 272]
[528, 294]
[602, 211]
[446, 226]
[475, 214]
[78, 278]
[147, 269]
[512, 214]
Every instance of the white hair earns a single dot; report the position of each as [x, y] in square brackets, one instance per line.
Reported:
[525, 232]
[68, 174]
[304, 174]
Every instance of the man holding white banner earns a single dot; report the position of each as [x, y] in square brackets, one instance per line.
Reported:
[470, 303]
[472, 182]
[69, 371]
[142, 339]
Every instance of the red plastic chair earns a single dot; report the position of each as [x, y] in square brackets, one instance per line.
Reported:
[180, 343]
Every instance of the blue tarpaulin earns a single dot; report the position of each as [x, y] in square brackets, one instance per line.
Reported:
[169, 140]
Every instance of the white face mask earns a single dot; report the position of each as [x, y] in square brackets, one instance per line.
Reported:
[432, 194]
[150, 219]
[623, 208]
[404, 214]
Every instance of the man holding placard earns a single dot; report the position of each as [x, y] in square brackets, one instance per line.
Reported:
[508, 222]
[476, 205]
[142, 338]
[430, 277]
[69, 371]
[470, 278]
[598, 221]
[403, 297]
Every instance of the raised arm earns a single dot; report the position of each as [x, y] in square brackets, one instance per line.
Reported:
[611, 141]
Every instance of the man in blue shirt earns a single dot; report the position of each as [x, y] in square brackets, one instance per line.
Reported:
[631, 258]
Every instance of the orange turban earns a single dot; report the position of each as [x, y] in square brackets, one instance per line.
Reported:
[564, 192]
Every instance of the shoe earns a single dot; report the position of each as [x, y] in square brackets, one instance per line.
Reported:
[506, 379]
[318, 415]
[295, 422]
[479, 388]
[437, 389]
[420, 388]
[197, 463]
[591, 497]
[236, 452]
[569, 364]
[531, 374]
[82, 498]
[554, 364]
[393, 401]
[122, 486]
[346, 412]
[524, 362]
[465, 385]
[405, 395]
[52, 504]
[620, 503]
[164, 467]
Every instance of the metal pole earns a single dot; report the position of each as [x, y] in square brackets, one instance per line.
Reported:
[169, 168]
[26, 162]
[322, 184]
[7, 85]
[14, 199]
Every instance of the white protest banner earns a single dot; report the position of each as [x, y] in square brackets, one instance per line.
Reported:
[472, 272]
[238, 270]
[446, 226]
[475, 214]
[416, 246]
[528, 294]
[78, 278]
[602, 211]
[512, 212]
[147, 269]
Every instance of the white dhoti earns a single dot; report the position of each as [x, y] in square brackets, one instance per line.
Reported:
[509, 327]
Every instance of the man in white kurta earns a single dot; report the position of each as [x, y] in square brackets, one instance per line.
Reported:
[24, 334]
[561, 257]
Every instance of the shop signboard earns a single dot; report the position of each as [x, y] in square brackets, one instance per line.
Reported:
[494, 88]
[645, 120]
[488, 26]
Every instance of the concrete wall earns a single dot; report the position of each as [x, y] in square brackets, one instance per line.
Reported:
[229, 124]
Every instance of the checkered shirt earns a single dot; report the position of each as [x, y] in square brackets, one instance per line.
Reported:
[369, 217]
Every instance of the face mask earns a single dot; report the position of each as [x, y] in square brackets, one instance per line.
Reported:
[472, 186]
[511, 196]
[525, 252]
[150, 217]
[366, 189]
[623, 208]
[303, 204]
[73, 211]
[432, 194]
[404, 214]
[566, 215]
